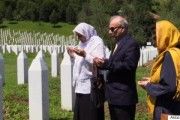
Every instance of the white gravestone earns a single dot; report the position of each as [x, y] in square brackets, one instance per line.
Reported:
[8, 47]
[38, 90]
[4, 49]
[40, 54]
[67, 90]
[140, 62]
[54, 63]
[2, 68]
[22, 68]
[14, 49]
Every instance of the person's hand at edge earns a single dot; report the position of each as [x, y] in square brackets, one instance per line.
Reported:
[70, 51]
[144, 82]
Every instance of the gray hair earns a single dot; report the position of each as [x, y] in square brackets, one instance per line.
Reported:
[123, 22]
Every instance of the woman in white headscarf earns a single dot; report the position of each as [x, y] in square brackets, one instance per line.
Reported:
[90, 46]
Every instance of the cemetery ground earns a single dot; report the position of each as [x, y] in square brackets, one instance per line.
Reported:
[15, 102]
[29, 26]
[15, 97]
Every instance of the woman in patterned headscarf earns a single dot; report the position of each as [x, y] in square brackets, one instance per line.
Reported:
[163, 86]
[90, 46]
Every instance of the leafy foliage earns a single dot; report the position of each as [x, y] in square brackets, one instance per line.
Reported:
[54, 17]
[169, 9]
[98, 13]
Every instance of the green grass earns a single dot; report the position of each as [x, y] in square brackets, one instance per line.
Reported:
[141, 111]
[61, 28]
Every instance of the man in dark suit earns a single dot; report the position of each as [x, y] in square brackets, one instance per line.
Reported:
[121, 92]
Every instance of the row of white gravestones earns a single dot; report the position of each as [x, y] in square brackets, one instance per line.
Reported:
[22, 66]
[31, 48]
[33, 38]
[147, 54]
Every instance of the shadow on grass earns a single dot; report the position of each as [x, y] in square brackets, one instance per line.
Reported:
[3, 26]
[13, 22]
[57, 26]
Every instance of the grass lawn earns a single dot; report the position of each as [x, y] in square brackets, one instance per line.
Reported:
[61, 28]
[16, 96]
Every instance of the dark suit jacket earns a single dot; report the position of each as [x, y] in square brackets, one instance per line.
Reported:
[122, 64]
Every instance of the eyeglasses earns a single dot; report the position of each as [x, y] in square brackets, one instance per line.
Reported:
[112, 29]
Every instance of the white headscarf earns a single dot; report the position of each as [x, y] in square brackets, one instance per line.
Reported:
[86, 30]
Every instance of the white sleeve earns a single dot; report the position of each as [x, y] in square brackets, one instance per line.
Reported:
[98, 51]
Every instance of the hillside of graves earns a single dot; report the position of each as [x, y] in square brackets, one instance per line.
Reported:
[43, 27]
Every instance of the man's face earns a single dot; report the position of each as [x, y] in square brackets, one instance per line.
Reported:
[115, 30]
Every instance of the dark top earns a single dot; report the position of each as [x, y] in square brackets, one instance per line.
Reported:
[122, 64]
[165, 90]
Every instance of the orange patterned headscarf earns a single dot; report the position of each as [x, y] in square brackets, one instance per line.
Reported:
[167, 39]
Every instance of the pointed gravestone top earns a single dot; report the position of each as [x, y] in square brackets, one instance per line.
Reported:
[40, 55]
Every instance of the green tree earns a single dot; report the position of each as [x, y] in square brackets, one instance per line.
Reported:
[71, 14]
[169, 10]
[1, 18]
[74, 7]
[20, 13]
[2, 6]
[98, 13]
[62, 5]
[53, 18]
[136, 11]
[46, 9]
[9, 13]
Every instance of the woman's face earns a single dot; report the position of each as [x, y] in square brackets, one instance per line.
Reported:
[81, 37]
